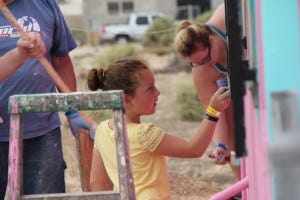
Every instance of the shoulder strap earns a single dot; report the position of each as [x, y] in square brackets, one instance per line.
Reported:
[222, 34]
[218, 31]
[221, 69]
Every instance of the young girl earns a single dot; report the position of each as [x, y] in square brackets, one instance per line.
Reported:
[148, 143]
[25, 49]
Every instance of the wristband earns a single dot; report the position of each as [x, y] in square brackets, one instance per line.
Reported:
[70, 112]
[211, 118]
[221, 145]
[212, 112]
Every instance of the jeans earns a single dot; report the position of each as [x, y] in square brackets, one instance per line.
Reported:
[43, 165]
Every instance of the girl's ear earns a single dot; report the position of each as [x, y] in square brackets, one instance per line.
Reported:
[127, 100]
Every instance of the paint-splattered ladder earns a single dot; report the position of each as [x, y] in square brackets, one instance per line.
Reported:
[114, 100]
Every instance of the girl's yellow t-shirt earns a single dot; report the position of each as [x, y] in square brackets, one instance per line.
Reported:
[149, 169]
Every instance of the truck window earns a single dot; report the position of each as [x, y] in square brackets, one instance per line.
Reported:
[142, 20]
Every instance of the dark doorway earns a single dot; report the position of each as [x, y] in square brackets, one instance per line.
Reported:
[188, 9]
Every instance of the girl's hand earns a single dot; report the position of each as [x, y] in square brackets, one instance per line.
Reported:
[221, 99]
[33, 48]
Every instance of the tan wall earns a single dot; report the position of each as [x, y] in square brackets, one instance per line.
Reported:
[75, 22]
[97, 10]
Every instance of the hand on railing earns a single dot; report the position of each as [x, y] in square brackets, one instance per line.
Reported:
[76, 122]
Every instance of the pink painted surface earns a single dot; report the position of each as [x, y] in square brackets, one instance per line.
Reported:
[14, 172]
[232, 190]
[13, 157]
[254, 169]
[14, 105]
[243, 175]
[262, 137]
[257, 167]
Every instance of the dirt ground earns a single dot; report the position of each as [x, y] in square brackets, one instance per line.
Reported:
[190, 179]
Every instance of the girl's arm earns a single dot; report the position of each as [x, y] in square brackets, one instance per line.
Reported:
[64, 68]
[99, 179]
[198, 143]
[195, 147]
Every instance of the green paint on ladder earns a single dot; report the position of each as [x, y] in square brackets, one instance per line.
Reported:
[58, 102]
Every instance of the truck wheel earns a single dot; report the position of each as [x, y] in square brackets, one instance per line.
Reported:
[122, 39]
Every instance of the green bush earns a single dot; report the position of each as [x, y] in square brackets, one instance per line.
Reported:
[116, 53]
[190, 108]
[80, 36]
[161, 32]
[203, 18]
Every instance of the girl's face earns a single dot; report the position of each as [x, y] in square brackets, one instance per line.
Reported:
[146, 95]
[204, 55]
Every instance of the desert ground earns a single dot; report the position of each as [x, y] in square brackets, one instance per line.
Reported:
[190, 178]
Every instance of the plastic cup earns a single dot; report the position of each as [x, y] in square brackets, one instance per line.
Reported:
[222, 82]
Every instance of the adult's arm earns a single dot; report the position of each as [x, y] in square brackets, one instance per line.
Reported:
[224, 129]
[206, 86]
[64, 68]
[14, 58]
[10, 62]
[218, 17]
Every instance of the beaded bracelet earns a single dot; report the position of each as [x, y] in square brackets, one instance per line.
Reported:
[211, 118]
[212, 112]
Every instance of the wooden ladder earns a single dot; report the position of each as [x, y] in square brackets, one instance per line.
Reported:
[61, 102]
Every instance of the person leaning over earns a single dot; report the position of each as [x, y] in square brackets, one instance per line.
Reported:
[204, 45]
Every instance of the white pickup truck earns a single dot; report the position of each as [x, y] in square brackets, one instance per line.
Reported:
[132, 31]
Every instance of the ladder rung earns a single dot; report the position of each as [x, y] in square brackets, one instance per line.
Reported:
[103, 195]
